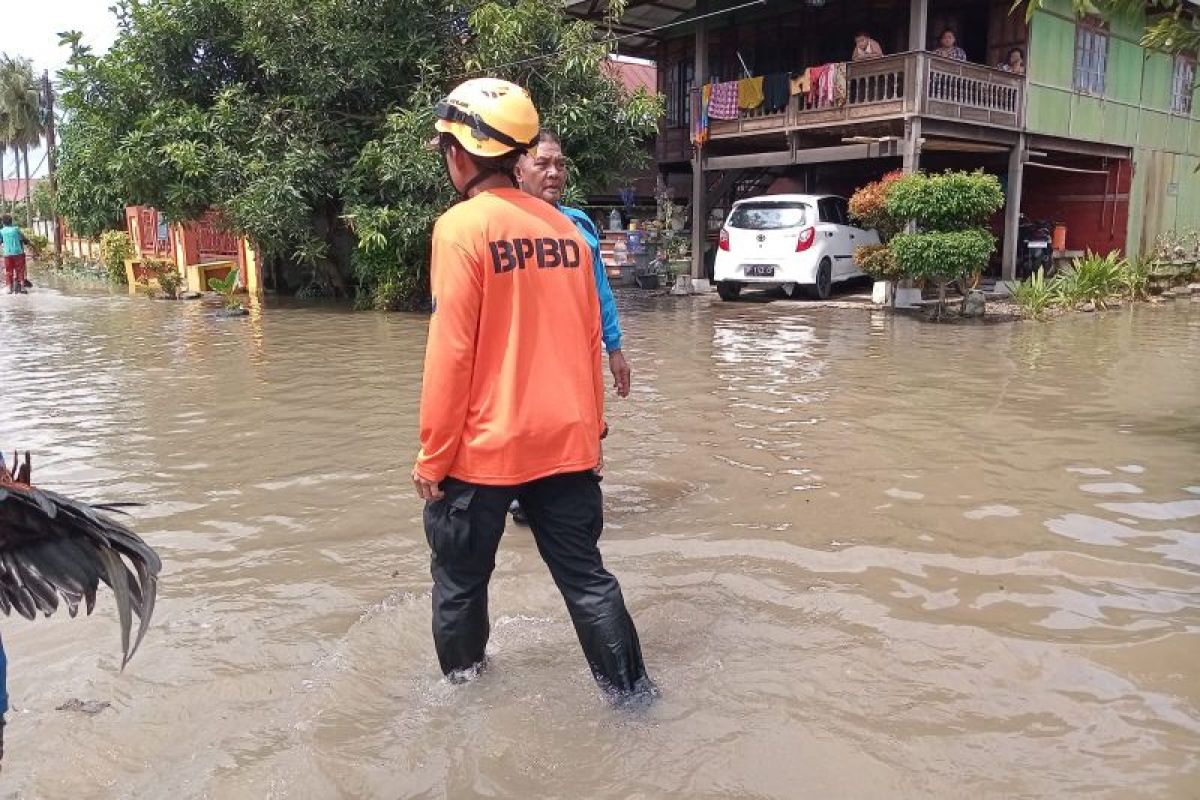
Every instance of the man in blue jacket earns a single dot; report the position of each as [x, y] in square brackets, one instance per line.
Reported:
[542, 173]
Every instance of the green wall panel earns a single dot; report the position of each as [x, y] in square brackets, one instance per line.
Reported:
[1152, 130]
[1137, 204]
[1156, 83]
[1177, 134]
[1188, 208]
[1127, 27]
[1124, 77]
[1170, 206]
[1119, 124]
[1048, 111]
[1052, 51]
[1087, 117]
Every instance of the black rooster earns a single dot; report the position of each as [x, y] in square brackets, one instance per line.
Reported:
[52, 547]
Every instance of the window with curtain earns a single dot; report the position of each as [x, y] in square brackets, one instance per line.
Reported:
[1183, 83]
[1091, 58]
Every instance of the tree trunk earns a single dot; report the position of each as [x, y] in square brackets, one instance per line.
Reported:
[3, 177]
[12, 206]
[336, 267]
[28, 188]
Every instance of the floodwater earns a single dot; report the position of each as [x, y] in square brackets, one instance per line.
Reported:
[867, 557]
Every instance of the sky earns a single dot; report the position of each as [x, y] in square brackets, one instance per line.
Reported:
[30, 28]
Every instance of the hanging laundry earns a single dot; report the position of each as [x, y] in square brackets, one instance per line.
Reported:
[827, 86]
[750, 93]
[700, 117]
[724, 101]
[838, 79]
[816, 76]
[776, 92]
[705, 100]
[801, 83]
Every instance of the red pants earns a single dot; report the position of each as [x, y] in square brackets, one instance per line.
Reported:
[14, 271]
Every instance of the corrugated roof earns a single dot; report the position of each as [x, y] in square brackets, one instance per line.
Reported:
[635, 75]
[13, 189]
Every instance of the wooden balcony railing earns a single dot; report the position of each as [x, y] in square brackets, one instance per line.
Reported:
[973, 92]
[886, 88]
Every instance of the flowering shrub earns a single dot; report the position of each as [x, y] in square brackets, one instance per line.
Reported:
[868, 206]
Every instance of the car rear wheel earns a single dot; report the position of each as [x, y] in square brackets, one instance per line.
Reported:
[824, 285]
[729, 290]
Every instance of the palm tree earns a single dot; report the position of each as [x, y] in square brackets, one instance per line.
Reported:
[21, 104]
[3, 148]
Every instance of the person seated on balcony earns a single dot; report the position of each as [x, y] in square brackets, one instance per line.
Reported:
[949, 47]
[865, 47]
[1015, 62]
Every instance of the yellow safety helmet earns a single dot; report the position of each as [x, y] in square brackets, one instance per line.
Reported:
[489, 117]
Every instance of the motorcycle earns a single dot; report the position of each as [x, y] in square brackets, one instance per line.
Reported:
[1033, 248]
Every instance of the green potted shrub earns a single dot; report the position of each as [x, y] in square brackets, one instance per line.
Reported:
[948, 239]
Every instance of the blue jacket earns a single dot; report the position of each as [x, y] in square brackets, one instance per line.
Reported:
[609, 324]
[3, 681]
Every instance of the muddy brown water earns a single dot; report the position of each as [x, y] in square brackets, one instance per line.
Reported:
[868, 558]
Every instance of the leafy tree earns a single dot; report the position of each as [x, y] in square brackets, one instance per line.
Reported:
[950, 212]
[303, 122]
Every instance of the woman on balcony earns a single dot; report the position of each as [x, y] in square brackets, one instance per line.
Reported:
[1015, 62]
[949, 47]
[865, 47]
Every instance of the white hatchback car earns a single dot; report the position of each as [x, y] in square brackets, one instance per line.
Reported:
[794, 241]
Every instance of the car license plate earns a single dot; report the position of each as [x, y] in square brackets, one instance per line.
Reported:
[760, 270]
[1042, 245]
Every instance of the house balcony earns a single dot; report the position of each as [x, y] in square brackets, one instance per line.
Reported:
[895, 87]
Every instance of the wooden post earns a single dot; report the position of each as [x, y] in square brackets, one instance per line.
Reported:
[699, 201]
[918, 25]
[912, 146]
[1012, 210]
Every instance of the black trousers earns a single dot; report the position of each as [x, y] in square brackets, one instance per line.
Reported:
[566, 516]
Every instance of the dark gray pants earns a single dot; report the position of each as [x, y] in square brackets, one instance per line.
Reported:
[566, 516]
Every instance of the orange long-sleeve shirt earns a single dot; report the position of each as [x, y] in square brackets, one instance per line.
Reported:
[513, 389]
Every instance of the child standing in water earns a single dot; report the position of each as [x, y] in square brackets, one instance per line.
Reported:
[14, 242]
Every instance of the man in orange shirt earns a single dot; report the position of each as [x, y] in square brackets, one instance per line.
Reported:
[512, 405]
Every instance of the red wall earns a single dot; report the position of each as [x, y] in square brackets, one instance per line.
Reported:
[1077, 200]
